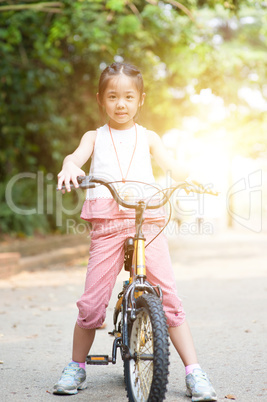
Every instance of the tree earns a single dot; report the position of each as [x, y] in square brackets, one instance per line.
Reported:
[52, 53]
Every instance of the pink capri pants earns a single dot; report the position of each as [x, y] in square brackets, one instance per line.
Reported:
[106, 261]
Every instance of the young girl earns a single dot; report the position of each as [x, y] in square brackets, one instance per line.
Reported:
[121, 150]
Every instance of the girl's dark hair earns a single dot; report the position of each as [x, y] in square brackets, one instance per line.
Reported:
[116, 69]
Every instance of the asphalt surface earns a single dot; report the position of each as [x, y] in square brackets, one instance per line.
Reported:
[222, 281]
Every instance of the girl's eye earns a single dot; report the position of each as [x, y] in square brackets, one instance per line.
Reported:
[130, 97]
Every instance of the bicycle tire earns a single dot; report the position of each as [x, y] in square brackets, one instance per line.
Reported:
[146, 381]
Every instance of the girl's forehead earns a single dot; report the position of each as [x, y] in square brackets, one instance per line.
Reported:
[121, 83]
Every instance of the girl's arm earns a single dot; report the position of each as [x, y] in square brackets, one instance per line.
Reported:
[72, 164]
[164, 159]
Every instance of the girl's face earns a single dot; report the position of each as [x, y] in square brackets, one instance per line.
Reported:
[121, 101]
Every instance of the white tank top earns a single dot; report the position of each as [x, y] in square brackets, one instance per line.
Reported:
[105, 163]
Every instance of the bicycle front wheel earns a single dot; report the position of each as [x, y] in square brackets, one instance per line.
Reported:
[146, 373]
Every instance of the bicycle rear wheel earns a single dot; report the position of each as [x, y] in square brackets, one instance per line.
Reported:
[146, 375]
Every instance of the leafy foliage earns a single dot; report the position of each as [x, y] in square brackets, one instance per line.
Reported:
[51, 56]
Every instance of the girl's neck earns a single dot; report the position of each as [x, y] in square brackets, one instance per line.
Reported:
[125, 126]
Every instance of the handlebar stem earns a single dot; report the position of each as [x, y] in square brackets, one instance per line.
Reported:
[139, 218]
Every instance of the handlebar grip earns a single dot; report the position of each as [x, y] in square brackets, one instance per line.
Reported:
[83, 185]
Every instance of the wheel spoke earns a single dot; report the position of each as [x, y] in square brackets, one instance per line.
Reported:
[142, 343]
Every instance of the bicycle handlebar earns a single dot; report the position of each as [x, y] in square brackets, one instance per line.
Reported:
[86, 182]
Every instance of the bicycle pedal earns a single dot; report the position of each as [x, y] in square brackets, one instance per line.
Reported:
[98, 359]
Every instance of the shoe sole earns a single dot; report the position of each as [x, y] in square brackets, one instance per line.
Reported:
[62, 391]
[207, 398]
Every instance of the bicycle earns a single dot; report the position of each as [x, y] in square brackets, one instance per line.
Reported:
[140, 328]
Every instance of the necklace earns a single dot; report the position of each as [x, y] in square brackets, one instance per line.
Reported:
[123, 178]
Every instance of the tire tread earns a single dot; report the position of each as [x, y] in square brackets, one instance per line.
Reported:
[161, 349]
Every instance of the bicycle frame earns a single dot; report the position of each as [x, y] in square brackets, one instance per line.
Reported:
[133, 288]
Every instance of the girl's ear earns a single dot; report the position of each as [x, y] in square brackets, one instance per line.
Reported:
[142, 99]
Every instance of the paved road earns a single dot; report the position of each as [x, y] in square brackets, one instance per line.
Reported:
[222, 281]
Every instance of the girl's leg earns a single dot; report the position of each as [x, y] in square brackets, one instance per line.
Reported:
[160, 271]
[183, 342]
[73, 377]
[82, 342]
[105, 262]
[106, 259]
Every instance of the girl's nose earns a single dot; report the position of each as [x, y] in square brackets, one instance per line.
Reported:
[120, 103]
